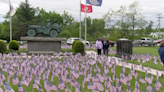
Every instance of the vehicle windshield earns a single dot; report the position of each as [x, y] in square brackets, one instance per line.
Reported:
[82, 40]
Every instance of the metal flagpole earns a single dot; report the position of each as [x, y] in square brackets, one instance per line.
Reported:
[85, 24]
[80, 22]
[10, 24]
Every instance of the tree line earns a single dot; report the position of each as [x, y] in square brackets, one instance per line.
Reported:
[127, 22]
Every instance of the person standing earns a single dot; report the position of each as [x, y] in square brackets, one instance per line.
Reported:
[161, 53]
[99, 46]
[105, 46]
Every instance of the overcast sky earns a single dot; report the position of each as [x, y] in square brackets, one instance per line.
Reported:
[150, 7]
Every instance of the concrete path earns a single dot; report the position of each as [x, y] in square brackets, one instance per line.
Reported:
[153, 71]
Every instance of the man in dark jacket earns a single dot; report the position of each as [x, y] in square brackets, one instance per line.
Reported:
[105, 45]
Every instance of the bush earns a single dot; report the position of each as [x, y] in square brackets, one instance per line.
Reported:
[2, 46]
[73, 44]
[14, 45]
[79, 47]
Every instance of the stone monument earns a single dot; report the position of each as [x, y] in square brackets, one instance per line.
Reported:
[49, 44]
[125, 48]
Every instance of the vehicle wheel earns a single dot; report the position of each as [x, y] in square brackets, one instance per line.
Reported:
[87, 44]
[53, 33]
[142, 44]
[149, 45]
[31, 33]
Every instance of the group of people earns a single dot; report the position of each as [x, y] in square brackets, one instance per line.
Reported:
[102, 44]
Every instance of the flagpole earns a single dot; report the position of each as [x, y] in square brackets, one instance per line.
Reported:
[85, 24]
[10, 24]
[80, 22]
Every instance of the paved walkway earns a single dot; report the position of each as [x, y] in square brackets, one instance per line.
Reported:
[153, 71]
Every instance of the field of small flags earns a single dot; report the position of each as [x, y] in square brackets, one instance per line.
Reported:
[65, 72]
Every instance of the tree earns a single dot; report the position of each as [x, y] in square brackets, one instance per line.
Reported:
[52, 15]
[149, 28]
[123, 23]
[109, 19]
[67, 19]
[134, 14]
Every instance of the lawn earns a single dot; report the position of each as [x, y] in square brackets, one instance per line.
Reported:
[143, 50]
[80, 79]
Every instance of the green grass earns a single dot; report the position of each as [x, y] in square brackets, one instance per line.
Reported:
[153, 50]
[117, 71]
[147, 50]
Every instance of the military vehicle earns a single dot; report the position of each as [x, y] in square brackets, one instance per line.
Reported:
[52, 30]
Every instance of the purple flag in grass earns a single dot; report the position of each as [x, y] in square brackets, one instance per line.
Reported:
[142, 80]
[3, 77]
[40, 89]
[85, 79]
[136, 75]
[35, 86]
[142, 90]
[158, 85]
[91, 86]
[67, 89]
[68, 80]
[163, 71]
[15, 80]
[36, 81]
[148, 79]
[80, 72]
[107, 83]
[136, 83]
[61, 84]
[23, 82]
[117, 80]
[123, 69]
[123, 80]
[1, 90]
[73, 83]
[136, 89]
[95, 79]
[119, 87]
[78, 89]
[148, 68]
[149, 88]
[51, 87]
[153, 90]
[89, 75]
[58, 90]
[20, 88]
[128, 89]
[8, 88]
[46, 82]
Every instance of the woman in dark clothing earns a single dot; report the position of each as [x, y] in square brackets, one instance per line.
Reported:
[161, 52]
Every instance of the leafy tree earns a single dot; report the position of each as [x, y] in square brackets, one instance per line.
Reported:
[149, 28]
[109, 19]
[67, 19]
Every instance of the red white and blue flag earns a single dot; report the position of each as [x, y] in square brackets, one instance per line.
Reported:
[12, 10]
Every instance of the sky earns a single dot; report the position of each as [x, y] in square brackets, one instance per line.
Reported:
[150, 8]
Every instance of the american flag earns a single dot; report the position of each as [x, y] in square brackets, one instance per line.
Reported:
[23, 82]
[142, 80]
[35, 86]
[61, 84]
[8, 88]
[67, 89]
[158, 85]
[149, 88]
[91, 86]
[20, 88]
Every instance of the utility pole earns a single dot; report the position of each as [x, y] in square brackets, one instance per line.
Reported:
[159, 24]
